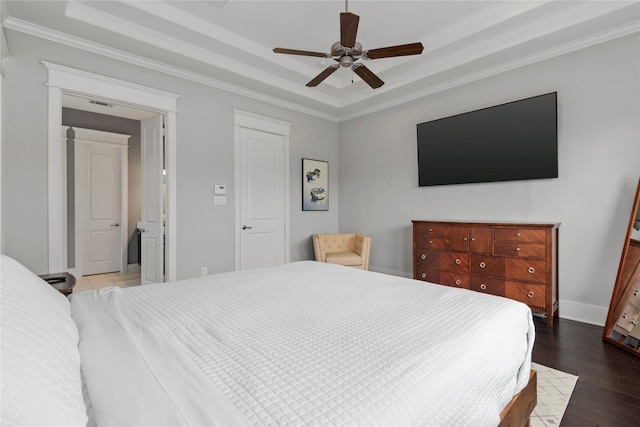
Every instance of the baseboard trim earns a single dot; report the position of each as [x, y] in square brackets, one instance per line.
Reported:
[586, 313]
[133, 267]
[390, 272]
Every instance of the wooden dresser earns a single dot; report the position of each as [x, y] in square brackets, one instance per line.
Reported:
[517, 261]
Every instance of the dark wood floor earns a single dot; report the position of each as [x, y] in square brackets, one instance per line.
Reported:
[608, 388]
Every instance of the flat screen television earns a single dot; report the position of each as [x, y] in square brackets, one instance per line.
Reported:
[507, 142]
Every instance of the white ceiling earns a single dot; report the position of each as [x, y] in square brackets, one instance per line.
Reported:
[228, 44]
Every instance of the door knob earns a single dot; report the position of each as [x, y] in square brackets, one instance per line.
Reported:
[115, 225]
[244, 227]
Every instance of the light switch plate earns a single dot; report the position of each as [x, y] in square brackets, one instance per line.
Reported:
[220, 189]
[219, 200]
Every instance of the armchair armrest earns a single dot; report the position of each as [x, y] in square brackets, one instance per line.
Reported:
[318, 248]
[363, 248]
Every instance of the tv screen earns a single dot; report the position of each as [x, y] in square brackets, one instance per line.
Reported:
[508, 142]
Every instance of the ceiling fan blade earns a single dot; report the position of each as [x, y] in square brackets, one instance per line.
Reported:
[323, 75]
[301, 52]
[368, 76]
[348, 29]
[391, 51]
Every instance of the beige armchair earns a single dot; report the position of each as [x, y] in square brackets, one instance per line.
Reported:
[351, 249]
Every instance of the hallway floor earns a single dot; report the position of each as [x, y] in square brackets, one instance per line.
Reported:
[97, 281]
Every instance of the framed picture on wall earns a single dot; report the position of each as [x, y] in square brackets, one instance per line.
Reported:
[315, 185]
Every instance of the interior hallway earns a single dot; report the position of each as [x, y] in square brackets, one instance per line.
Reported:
[97, 281]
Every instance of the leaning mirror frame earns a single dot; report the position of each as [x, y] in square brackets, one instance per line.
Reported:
[622, 327]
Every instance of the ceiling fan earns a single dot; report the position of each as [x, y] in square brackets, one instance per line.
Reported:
[347, 51]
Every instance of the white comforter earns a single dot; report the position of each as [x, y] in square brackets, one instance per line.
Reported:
[301, 344]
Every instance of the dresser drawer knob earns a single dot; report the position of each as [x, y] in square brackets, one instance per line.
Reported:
[625, 315]
[636, 293]
[465, 239]
[634, 321]
[518, 234]
[473, 239]
[517, 249]
[431, 242]
[458, 261]
[423, 256]
[531, 270]
[458, 282]
[424, 276]
[530, 294]
[483, 286]
[483, 265]
[430, 230]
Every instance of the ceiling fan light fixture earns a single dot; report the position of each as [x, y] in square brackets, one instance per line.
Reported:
[346, 61]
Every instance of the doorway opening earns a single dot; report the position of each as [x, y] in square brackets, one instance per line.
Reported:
[104, 198]
[65, 80]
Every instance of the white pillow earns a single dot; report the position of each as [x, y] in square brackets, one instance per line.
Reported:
[40, 374]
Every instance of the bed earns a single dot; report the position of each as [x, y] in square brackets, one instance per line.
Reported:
[304, 343]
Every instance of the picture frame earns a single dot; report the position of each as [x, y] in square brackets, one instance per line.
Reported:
[315, 185]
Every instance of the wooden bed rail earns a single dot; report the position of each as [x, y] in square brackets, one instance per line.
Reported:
[518, 411]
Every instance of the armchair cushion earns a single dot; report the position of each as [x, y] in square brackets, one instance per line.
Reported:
[344, 258]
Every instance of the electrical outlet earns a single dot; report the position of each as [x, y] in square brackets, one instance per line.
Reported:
[203, 271]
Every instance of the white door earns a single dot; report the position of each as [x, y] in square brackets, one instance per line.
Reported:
[152, 239]
[98, 206]
[262, 198]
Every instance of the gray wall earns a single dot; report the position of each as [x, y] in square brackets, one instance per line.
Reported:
[377, 191]
[599, 164]
[88, 120]
[205, 157]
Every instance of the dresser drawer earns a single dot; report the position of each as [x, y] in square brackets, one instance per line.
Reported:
[428, 274]
[444, 260]
[433, 229]
[441, 277]
[536, 235]
[628, 318]
[430, 242]
[487, 285]
[530, 270]
[528, 293]
[427, 257]
[485, 265]
[454, 279]
[528, 250]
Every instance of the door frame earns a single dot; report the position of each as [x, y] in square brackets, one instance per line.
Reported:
[63, 79]
[245, 119]
[95, 137]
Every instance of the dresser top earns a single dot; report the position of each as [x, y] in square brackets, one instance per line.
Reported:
[490, 223]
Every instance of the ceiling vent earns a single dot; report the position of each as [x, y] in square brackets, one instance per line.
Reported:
[100, 103]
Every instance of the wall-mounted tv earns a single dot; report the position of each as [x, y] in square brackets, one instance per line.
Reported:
[507, 142]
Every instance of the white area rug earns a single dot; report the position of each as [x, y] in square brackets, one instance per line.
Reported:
[554, 391]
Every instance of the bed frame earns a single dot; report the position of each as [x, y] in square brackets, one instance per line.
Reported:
[518, 411]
